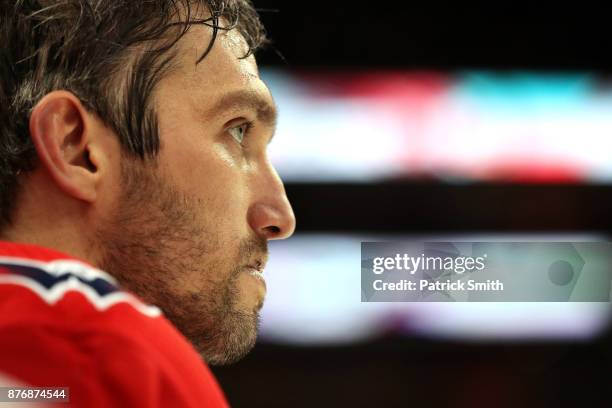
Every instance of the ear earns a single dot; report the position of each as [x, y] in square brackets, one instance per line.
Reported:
[62, 136]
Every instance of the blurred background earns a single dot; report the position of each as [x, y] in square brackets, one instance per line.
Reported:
[432, 121]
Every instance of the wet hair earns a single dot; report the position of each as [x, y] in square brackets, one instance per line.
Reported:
[110, 54]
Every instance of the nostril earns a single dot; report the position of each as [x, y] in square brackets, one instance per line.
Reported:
[272, 230]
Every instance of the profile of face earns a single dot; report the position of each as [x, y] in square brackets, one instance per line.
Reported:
[189, 232]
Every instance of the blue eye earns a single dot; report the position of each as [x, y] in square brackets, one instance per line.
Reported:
[240, 132]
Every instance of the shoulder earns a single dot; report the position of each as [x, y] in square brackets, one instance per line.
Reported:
[65, 322]
[68, 287]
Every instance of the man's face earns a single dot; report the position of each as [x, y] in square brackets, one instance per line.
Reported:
[189, 233]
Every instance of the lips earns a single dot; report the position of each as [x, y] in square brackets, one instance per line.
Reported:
[256, 273]
[256, 269]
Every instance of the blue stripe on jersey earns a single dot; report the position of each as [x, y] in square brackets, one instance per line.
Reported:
[44, 278]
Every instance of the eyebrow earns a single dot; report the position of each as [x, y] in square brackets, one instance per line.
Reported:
[266, 112]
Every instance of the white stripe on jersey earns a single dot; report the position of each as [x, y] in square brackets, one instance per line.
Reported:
[73, 268]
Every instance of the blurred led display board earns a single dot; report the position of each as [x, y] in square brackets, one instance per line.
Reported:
[314, 297]
[467, 126]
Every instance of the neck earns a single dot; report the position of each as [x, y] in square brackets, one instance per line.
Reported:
[47, 218]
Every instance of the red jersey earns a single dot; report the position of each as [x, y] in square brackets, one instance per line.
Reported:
[64, 323]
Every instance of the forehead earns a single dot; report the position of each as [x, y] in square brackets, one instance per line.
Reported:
[222, 71]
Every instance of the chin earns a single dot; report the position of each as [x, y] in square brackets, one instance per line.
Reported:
[233, 341]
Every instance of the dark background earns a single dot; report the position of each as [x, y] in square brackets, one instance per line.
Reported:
[394, 371]
[439, 35]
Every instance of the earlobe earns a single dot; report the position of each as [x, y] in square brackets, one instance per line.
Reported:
[58, 128]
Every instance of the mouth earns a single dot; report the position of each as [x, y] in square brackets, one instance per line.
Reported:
[255, 272]
[256, 269]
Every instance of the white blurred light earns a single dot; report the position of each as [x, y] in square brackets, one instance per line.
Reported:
[314, 296]
[481, 126]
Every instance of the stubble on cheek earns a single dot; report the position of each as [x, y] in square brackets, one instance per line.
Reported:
[158, 248]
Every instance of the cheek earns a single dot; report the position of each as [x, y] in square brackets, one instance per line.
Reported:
[221, 173]
[217, 177]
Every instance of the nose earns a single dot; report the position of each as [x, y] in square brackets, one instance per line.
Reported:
[271, 215]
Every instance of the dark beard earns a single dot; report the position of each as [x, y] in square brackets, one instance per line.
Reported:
[145, 249]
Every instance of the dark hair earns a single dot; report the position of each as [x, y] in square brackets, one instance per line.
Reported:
[109, 53]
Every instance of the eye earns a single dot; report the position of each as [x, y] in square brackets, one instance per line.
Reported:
[240, 132]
